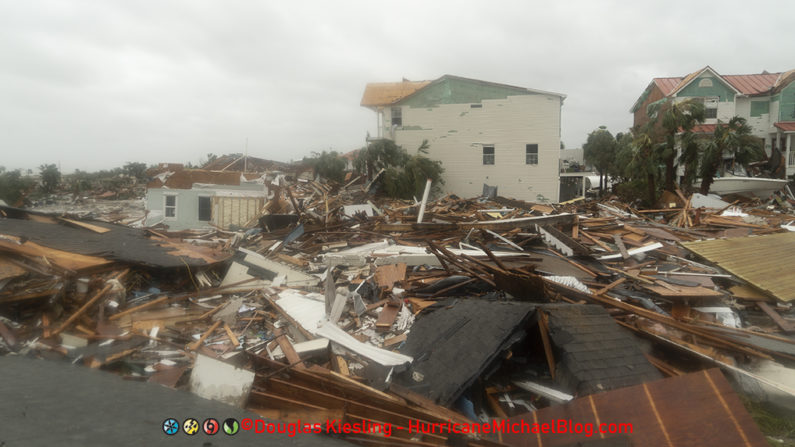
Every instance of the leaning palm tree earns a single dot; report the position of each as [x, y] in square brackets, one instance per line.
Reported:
[733, 139]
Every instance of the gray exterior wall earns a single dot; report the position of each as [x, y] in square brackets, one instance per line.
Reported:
[187, 206]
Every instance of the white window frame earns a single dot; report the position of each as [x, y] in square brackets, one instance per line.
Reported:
[492, 156]
[396, 114]
[166, 206]
[531, 158]
[709, 101]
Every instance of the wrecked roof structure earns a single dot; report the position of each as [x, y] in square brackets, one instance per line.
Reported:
[334, 304]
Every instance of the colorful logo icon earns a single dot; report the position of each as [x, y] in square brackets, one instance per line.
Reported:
[171, 426]
[190, 426]
[231, 426]
[211, 426]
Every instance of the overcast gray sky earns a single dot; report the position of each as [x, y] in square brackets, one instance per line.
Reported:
[95, 84]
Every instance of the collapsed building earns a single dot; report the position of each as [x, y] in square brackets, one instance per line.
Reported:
[326, 303]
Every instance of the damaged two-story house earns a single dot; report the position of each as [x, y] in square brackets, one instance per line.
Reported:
[765, 100]
[482, 132]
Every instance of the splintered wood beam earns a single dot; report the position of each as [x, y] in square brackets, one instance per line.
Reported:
[544, 328]
[610, 286]
[195, 345]
[95, 299]
[785, 325]
[231, 335]
[287, 348]
[137, 308]
[621, 247]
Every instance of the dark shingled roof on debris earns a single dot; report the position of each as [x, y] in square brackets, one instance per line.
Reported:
[595, 354]
[121, 244]
[455, 340]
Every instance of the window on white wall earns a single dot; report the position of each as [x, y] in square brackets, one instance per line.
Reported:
[397, 116]
[710, 108]
[170, 206]
[531, 154]
[488, 155]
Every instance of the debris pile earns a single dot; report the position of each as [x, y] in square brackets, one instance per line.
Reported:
[337, 305]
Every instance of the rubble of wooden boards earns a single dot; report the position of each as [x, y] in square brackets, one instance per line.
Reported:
[341, 306]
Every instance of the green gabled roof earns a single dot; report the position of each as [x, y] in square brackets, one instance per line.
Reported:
[450, 89]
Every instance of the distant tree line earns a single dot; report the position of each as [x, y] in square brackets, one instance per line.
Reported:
[17, 186]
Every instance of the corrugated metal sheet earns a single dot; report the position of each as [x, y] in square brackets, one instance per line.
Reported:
[386, 93]
[764, 261]
[699, 409]
[667, 85]
[753, 84]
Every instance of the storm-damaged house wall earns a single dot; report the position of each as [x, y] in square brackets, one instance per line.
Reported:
[482, 132]
[194, 198]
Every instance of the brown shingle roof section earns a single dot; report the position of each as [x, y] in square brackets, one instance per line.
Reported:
[763, 261]
[386, 93]
[185, 179]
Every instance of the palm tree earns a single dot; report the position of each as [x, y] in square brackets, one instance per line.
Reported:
[733, 138]
[671, 120]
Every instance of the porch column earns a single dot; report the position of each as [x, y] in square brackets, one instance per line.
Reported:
[768, 145]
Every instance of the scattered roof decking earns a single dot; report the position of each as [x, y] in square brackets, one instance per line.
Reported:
[484, 328]
[186, 178]
[764, 261]
[596, 354]
[695, 410]
[121, 244]
[379, 94]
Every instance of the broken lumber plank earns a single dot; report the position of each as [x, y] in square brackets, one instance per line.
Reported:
[394, 340]
[621, 247]
[596, 241]
[87, 226]
[195, 345]
[231, 335]
[137, 308]
[574, 263]
[387, 275]
[387, 316]
[543, 327]
[339, 364]
[785, 325]
[287, 348]
[95, 299]
[610, 286]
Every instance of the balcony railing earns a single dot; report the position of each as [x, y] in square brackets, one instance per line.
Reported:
[791, 158]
